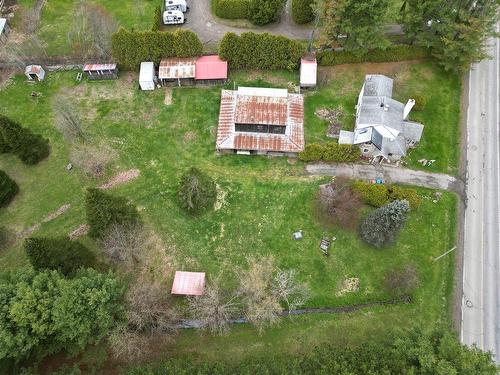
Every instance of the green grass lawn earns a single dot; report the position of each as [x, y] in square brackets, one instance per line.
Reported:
[265, 200]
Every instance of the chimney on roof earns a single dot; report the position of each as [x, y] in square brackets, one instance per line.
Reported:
[409, 105]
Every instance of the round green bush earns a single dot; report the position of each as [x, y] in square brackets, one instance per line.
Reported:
[302, 11]
[197, 191]
[8, 189]
[312, 152]
[231, 9]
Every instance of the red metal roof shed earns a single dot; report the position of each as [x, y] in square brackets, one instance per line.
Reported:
[189, 283]
[211, 67]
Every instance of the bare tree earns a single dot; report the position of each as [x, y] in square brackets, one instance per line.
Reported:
[337, 204]
[93, 160]
[124, 242]
[67, 119]
[128, 345]
[263, 288]
[289, 290]
[21, 54]
[92, 30]
[214, 308]
[148, 308]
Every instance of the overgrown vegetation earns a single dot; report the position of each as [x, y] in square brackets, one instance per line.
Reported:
[14, 139]
[8, 189]
[58, 254]
[412, 352]
[260, 51]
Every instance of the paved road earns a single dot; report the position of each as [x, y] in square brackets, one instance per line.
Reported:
[389, 174]
[481, 276]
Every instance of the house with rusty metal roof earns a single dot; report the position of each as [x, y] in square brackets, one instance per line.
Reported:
[254, 120]
[382, 130]
[177, 69]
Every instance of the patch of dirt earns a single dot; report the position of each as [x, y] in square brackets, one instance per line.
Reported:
[6, 76]
[121, 178]
[190, 136]
[333, 116]
[28, 231]
[220, 200]
[350, 285]
[82, 230]
[168, 96]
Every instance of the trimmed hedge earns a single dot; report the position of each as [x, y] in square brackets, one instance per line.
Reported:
[103, 210]
[378, 195]
[331, 151]
[394, 53]
[262, 12]
[231, 9]
[8, 189]
[302, 11]
[130, 48]
[260, 51]
[14, 139]
[58, 254]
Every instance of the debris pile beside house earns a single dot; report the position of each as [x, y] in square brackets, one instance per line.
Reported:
[332, 115]
[426, 163]
[383, 130]
[264, 121]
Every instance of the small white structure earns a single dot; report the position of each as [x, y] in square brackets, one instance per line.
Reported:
[308, 72]
[4, 29]
[147, 76]
[34, 72]
[173, 17]
[176, 5]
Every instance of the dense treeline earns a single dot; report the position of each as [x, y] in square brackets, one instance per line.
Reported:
[416, 352]
[231, 9]
[260, 51]
[302, 11]
[130, 48]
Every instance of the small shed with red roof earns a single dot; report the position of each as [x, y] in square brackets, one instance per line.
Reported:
[210, 69]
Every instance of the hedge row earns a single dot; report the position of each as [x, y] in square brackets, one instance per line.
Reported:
[393, 53]
[130, 48]
[331, 151]
[262, 12]
[231, 9]
[14, 139]
[8, 189]
[377, 195]
[302, 11]
[260, 51]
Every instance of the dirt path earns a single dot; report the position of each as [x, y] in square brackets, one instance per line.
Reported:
[389, 174]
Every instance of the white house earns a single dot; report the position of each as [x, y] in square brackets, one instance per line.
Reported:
[147, 76]
[34, 72]
[383, 130]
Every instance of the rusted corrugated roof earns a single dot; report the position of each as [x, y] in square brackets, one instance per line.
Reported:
[287, 111]
[176, 67]
[95, 67]
[33, 69]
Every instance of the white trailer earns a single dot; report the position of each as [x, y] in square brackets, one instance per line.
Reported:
[147, 76]
[176, 5]
[173, 17]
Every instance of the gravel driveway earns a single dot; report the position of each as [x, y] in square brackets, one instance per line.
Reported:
[201, 21]
[389, 174]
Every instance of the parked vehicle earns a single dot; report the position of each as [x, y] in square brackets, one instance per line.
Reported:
[173, 17]
[176, 5]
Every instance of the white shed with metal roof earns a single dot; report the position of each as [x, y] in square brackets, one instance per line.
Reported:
[147, 76]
